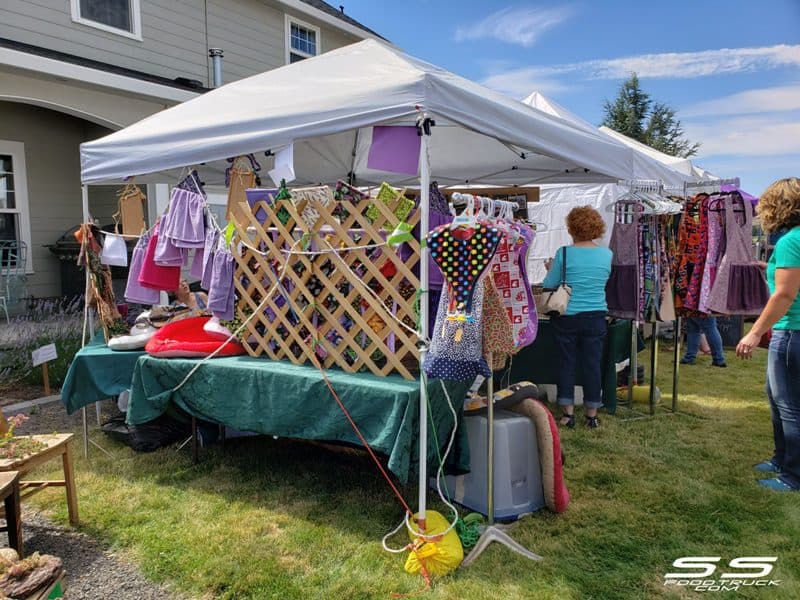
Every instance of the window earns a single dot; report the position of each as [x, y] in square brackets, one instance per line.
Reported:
[14, 217]
[302, 40]
[117, 16]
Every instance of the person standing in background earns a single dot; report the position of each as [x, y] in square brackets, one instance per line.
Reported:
[581, 331]
[695, 327]
[779, 208]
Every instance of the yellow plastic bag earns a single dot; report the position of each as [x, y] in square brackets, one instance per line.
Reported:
[437, 557]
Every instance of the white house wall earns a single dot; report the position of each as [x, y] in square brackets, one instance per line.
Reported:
[175, 35]
[103, 106]
[52, 159]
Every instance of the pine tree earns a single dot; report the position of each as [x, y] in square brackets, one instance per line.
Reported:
[635, 114]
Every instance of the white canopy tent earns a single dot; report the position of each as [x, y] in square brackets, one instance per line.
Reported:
[327, 106]
[557, 200]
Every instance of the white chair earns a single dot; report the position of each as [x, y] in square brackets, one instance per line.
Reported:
[13, 255]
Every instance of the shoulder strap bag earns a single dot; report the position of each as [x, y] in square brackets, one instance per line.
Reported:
[555, 300]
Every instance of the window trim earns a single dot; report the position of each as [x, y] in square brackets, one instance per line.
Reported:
[136, 21]
[17, 152]
[289, 21]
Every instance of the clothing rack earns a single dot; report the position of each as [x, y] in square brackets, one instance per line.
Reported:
[492, 532]
[711, 185]
[650, 194]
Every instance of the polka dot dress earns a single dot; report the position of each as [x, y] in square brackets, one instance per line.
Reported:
[462, 360]
[463, 254]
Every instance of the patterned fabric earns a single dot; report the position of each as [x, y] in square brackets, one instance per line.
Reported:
[648, 289]
[739, 287]
[622, 289]
[456, 346]
[498, 333]
[716, 232]
[528, 333]
[509, 282]
[690, 240]
[692, 299]
[666, 306]
[463, 255]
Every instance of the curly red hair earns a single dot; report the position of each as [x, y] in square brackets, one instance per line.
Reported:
[585, 224]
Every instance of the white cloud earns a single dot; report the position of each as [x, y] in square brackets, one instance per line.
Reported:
[689, 65]
[519, 82]
[774, 99]
[523, 26]
[750, 136]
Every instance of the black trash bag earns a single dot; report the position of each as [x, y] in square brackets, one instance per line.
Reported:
[149, 436]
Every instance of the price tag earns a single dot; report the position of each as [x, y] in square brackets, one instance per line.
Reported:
[44, 354]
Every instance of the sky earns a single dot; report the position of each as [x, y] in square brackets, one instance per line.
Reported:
[730, 68]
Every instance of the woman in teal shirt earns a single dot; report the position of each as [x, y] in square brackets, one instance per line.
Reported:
[581, 330]
[779, 208]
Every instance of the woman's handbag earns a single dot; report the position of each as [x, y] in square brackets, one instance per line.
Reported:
[555, 301]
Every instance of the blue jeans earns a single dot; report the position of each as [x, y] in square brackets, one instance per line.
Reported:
[580, 338]
[695, 326]
[783, 390]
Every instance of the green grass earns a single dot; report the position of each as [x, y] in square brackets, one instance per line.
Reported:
[278, 519]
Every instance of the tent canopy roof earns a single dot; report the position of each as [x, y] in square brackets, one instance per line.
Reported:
[648, 163]
[327, 106]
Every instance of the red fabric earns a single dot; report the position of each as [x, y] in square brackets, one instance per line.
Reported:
[556, 495]
[560, 492]
[155, 276]
[187, 339]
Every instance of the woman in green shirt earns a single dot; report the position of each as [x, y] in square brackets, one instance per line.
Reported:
[779, 208]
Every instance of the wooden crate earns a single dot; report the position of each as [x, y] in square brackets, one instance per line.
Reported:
[322, 305]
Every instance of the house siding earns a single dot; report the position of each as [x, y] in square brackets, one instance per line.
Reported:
[54, 187]
[176, 35]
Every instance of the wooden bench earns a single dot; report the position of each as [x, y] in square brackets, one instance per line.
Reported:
[57, 445]
[9, 494]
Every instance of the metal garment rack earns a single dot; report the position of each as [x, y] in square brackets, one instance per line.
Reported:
[492, 532]
[709, 186]
[650, 187]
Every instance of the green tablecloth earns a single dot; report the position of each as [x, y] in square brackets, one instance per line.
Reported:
[280, 398]
[97, 373]
[539, 361]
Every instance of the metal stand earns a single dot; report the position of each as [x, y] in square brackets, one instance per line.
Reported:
[493, 533]
[87, 441]
[653, 368]
[195, 442]
[676, 362]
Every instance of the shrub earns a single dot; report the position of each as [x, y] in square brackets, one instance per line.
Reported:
[47, 321]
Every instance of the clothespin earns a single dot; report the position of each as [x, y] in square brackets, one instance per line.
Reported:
[283, 192]
[401, 233]
[229, 231]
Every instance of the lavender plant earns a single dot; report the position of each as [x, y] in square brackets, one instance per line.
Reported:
[47, 321]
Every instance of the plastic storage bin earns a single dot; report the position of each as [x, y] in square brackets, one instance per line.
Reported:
[517, 472]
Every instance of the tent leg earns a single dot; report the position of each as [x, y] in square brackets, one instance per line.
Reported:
[675, 364]
[494, 534]
[424, 183]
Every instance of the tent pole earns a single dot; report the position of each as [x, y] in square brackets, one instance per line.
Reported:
[85, 208]
[424, 184]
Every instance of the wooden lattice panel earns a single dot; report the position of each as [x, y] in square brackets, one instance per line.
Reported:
[322, 305]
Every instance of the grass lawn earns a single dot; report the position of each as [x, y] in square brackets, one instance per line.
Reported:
[277, 519]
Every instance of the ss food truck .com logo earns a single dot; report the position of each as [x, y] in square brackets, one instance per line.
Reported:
[703, 573]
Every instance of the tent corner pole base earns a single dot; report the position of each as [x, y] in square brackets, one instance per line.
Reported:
[493, 533]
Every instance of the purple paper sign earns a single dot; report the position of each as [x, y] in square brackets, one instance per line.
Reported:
[260, 195]
[394, 149]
